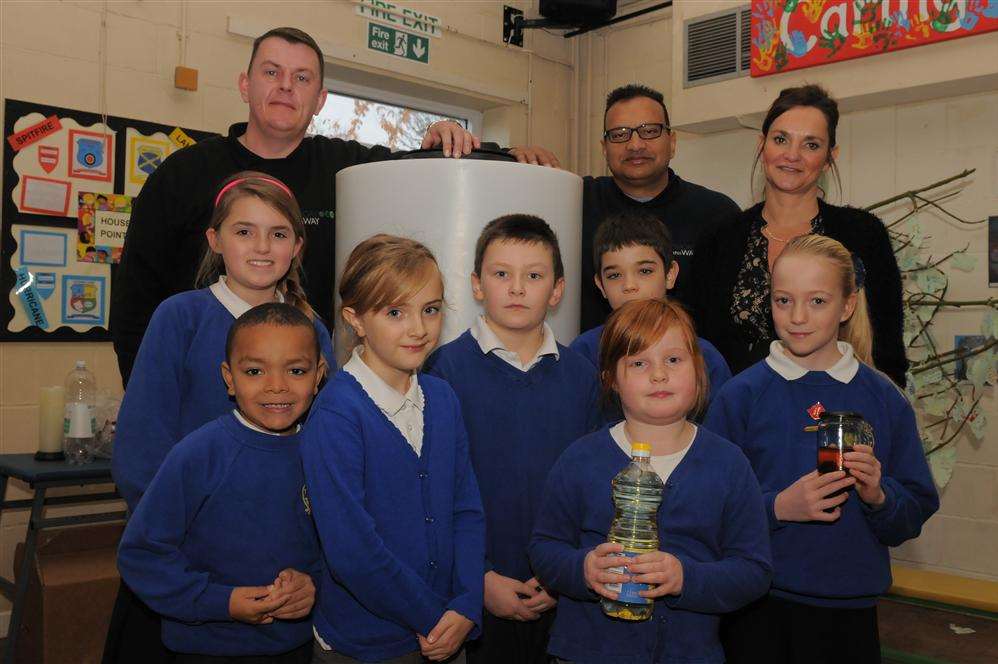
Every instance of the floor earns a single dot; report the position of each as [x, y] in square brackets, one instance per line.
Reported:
[925, 634]
[913, 634]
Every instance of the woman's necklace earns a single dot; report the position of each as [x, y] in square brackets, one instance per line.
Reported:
[776, 238]
[769, 234]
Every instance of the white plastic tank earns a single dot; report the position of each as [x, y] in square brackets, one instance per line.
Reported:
[445, 203]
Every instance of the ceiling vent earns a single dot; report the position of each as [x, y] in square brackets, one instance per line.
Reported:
[717, 47]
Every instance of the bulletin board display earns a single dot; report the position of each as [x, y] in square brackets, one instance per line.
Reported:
[69, 178]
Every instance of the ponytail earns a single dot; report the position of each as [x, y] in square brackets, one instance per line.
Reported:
[858, 331]
[293, 293]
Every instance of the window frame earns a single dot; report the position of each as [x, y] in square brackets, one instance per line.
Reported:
[368, 93]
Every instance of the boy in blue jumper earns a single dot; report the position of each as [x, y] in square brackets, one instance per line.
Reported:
[713, 552]
[225, 527]
[633, 255]
[525, 398]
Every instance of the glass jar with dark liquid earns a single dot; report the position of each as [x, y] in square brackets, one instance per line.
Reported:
[838, 433]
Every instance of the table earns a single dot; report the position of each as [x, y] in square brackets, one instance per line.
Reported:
[42, 476]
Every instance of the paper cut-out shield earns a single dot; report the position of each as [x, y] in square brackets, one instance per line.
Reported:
[48, 157]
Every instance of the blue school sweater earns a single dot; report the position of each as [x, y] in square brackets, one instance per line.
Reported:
[518, 422]
[225, 509]
[718, 373]
[712, 519]
[403, 536]
[176, 385]
[845, 563]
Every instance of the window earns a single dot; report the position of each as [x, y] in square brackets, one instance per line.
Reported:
[373, 118]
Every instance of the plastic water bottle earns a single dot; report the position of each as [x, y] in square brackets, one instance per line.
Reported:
[637, 495]
[80, 421]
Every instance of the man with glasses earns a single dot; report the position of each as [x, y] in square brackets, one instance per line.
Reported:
[638, 145]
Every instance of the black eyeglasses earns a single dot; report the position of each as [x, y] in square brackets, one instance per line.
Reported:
[647, 131]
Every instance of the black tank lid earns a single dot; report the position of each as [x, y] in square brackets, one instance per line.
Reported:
[482, 154]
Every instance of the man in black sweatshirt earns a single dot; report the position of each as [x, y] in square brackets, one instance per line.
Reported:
[638, 144]
[283, 88]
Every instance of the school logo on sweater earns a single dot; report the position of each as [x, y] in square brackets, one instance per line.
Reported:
[816, 410]
[304, 500]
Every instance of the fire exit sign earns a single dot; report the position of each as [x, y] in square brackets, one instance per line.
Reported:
[398, 42]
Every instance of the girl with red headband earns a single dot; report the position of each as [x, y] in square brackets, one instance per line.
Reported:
[254, 249]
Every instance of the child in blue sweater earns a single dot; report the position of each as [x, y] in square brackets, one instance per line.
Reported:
[255, 242]
[224, 527]
[830, 549]
[389, 479]
[632, 253]
[712, 530]
[525, 398]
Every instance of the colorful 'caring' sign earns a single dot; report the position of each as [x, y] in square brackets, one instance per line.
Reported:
[793, 34]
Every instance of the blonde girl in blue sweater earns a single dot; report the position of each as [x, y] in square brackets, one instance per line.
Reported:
[389, 478]
[830, 533]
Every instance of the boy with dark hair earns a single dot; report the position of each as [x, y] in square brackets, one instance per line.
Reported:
[225, 524]
[524, 398]
[634, 260]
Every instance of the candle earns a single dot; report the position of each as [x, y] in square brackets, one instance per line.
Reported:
[51, 411]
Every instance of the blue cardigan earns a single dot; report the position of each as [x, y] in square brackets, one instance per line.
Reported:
[176, 385]
[403, 536]
[845, 563]
[518, 422]
[224, 510]
[711, 519]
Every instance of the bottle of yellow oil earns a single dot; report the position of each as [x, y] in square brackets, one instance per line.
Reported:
[637, 495]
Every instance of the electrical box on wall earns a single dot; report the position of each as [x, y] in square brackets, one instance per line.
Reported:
[185, 78]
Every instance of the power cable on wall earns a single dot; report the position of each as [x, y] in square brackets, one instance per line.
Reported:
[102, 68]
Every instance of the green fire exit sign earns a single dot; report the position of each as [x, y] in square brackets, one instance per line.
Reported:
[398, 42]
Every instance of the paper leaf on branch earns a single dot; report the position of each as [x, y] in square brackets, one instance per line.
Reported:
[935, 405]
[963, 261]
[911, 327]
[925, 378]
[918, 354]
[941, 464]
[931, 281]
[990, 324]
[959, 412]
[978, 423]
[929, 439]
[981, 369]
[908, 258]
[915, 233]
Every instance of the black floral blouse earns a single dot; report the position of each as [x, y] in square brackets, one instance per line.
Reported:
[750, 305]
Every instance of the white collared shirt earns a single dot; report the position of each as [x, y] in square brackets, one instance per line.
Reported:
[489, 342]
[405, 411]
[235, 305]
[662, 464]
[252, 427]
[844, 369]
